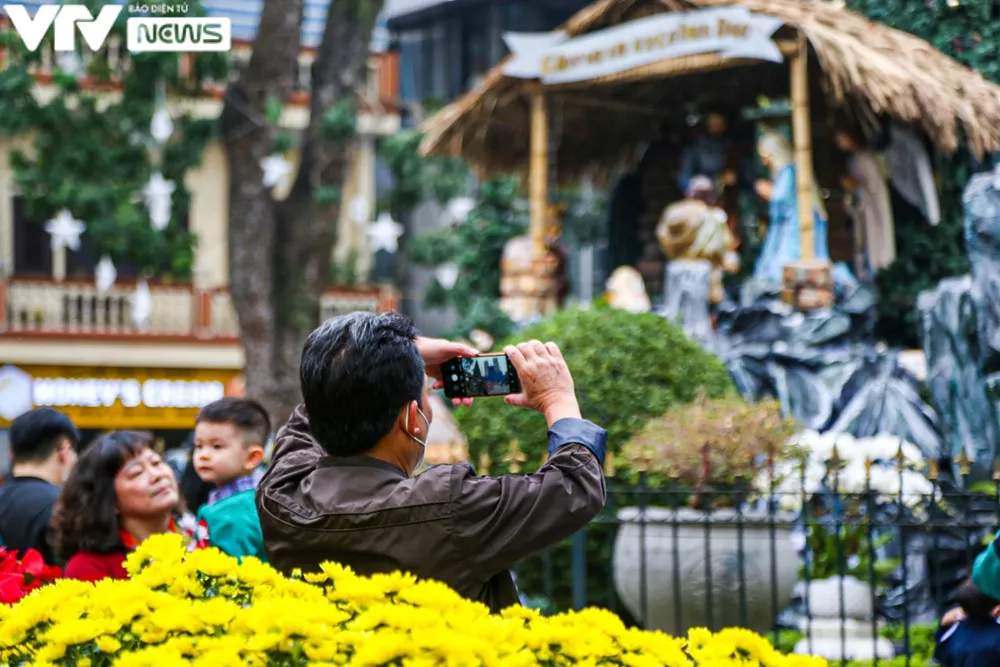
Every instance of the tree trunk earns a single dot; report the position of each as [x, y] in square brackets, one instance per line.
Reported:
[280, 251]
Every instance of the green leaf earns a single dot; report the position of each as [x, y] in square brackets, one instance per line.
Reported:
[327, 196]
[282, 142]
[272, 111]
[339, 122]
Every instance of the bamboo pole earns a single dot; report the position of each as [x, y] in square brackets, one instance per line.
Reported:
[802, 142]
[538, 174]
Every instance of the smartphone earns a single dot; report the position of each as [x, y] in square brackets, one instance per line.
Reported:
[485, 375]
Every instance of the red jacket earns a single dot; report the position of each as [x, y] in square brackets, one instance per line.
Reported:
[87, 566]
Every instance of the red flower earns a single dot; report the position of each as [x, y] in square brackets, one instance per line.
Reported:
[18, 578]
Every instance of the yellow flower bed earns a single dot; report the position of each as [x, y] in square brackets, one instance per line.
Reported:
[204, 608]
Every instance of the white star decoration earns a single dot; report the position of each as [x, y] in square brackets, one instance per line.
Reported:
[65, 230]
[158, 194]
[275, 168]
[460, 208]
[142, 304]
[162, 127]
[384, 233]
[447, 275]
[105, 274]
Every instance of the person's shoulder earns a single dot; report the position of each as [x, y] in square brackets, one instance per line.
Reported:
[238, 504]
[32, 487]
[448, 471]
[28, 498]
[444, 479]
[243, 500]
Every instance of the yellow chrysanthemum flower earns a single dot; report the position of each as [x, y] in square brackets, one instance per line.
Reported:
[205, 608]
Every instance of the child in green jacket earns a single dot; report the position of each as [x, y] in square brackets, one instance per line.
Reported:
[229, 439]
[986, 571]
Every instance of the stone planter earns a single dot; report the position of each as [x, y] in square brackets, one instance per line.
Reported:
[841, 627]
[677, 579]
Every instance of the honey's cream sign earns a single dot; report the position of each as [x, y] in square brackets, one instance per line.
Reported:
[732, 32]
[113, 397]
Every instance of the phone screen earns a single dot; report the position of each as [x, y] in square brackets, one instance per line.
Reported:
[485, 375]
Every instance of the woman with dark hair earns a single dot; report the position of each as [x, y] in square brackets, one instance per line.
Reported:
[119, 493]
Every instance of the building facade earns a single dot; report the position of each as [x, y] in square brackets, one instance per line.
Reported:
[446, 46]
[65, 344]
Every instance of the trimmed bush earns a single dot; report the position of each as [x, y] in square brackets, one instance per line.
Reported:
[627, 368]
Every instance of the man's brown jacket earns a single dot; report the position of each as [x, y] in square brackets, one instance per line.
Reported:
[446, 524]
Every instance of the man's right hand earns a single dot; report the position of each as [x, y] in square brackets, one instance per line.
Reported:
[546, 383]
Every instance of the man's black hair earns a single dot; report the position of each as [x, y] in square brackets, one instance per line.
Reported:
[35, 435]
[245, 414]
[358, 371]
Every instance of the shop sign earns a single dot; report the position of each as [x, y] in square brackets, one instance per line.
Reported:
[109, 398]
[732, 32]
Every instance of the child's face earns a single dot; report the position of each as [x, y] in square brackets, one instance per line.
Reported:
[220, 454]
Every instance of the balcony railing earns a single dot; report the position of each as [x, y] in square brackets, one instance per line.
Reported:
[38, 307]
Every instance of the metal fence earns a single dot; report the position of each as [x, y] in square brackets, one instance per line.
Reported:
[856, 570]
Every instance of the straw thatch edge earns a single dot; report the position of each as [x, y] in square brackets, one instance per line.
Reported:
[886, 70]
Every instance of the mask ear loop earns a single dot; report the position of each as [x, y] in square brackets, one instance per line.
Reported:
[406, 424]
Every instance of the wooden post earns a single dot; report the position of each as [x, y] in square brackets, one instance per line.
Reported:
[809, 281]
[59, 264]
[802, 142]
[538, 174]
[4, 280]
[202, 312]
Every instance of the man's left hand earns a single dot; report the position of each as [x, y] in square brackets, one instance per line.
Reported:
[435, 352]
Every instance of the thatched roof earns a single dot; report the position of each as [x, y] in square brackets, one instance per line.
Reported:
[864, 67]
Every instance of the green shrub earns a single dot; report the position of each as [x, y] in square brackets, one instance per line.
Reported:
[627, 369]
[921, 646]
[785, 640]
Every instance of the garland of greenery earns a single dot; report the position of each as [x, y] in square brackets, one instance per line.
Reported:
[475, 246]
[970, 33]
[88, 150]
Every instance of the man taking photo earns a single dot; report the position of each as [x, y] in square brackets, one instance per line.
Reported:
[341, 483]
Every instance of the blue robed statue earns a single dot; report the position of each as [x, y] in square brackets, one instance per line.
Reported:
[782, 243]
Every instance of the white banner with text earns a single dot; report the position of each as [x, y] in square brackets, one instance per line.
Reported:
[732, 32]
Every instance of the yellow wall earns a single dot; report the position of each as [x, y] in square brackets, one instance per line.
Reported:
[360, 183]
[68, 351]
[208, 218]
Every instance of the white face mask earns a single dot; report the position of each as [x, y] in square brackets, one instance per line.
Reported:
[423, 443]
